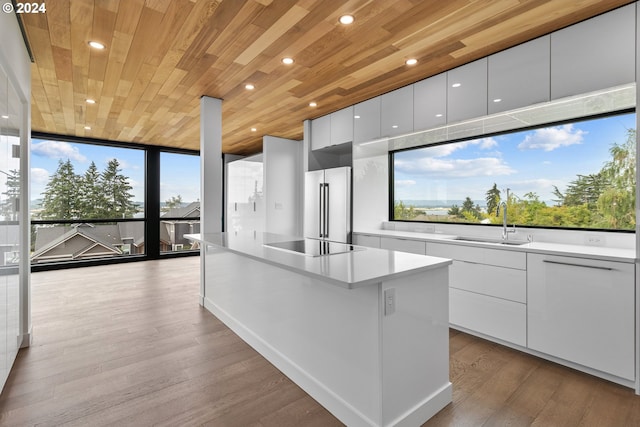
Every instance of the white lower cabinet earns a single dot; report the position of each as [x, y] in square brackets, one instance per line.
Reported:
[404, 245]
[582, 310]
[485, 295]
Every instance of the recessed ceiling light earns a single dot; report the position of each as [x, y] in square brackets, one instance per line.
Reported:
[287, 60]
[4, 116]
[395, 126]
[497, 100]
[411, 61]
[96, 45]
[253, 129]
[313, 104]
[87, 127]
[90, 101]
[438, 115]
[346, 19]
[456, 85]
[356, 117]
[249, 86]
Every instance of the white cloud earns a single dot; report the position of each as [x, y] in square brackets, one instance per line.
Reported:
[455, 168]
[445, 150]
[39, 176]
[486, 143]
[57, 150]
[123, 163]
[405, 182]
[548, 139]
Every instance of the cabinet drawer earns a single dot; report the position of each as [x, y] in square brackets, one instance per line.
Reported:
[403, 245]
[497, 257]
[366, 240]
[496, 317]
[500, 282]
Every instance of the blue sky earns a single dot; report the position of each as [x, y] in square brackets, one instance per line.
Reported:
[179, 174]
[524, 161]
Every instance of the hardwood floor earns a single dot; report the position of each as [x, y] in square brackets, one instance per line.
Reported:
[129, 345]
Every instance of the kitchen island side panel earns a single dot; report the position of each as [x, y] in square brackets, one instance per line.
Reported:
[324, 337]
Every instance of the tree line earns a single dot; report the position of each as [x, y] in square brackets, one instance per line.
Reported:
[91, 195]
[605, 199]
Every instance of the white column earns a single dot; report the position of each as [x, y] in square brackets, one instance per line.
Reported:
[211, 170]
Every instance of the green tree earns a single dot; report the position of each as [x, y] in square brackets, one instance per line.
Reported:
[8, 207]
[60, 197]
[400, 211]
[455, 211]
[116, 190]
[617, 202]
[173, 202]
[470, 210]
[493, 199]
[91, 197]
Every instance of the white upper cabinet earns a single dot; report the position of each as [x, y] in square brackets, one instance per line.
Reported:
[519, 77]
[397, 112]
[467, 91]
[430, 102]
[594, 54]
[333, 129]
[366, 123]
[342, 126]
[321, 132]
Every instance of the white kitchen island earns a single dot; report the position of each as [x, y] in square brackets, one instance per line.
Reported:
[322, 320]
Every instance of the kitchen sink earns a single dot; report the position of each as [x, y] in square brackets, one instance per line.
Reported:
[488, 240]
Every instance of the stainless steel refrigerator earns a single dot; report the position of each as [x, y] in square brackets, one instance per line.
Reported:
[327, 204]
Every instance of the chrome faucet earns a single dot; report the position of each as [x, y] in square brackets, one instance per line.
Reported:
[505, 230]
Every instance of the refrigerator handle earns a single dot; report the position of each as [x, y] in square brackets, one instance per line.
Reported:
[320, 217]
[326, 210]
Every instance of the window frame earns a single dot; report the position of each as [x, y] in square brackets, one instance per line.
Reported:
[391, 154]
[151, 216]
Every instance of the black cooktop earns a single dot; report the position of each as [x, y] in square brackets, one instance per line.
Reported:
[313, 247]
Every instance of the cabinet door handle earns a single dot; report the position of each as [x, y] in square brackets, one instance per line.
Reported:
[577, 265]
[469, 262]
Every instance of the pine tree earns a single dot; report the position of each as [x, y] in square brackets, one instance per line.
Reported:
[115, 188]
[91, 197]
[492, 198]
[60, 197]
[8, 205]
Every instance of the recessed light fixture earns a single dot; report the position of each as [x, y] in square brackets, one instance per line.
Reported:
[249, 86]
[4, 116]
[456, 85]
[313, 104]
[346, 19]
[287, 61]
[87, 127]
[395, 126]
[497, 100]
[438, 115]
[253, 129]
[411, 61]
[356, 117]
[90, 101]
[96, 45]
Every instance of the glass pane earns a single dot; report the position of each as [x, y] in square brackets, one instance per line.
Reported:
[575, 175]
[82, 241]
[179, 200]
[83, 181]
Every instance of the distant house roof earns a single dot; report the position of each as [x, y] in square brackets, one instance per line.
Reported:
[78, 241]
[192, 210]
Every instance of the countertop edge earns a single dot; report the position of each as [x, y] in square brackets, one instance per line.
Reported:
[549, 248]
[343, 284]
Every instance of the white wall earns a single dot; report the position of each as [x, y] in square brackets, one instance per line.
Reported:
[283, 185]
[15, 60]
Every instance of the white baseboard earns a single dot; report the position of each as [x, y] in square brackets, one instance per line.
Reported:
[24, 340]
[425, 409]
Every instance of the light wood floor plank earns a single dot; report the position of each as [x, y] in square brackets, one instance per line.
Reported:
[130, 346]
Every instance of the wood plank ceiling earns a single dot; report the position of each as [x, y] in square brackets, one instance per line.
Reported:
[162, 55]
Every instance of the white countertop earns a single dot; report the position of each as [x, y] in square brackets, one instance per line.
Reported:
[349, 270]
[580, 251]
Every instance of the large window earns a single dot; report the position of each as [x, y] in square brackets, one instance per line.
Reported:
[94, 202]
[572, 175]
[87, 201]
[180, 201]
